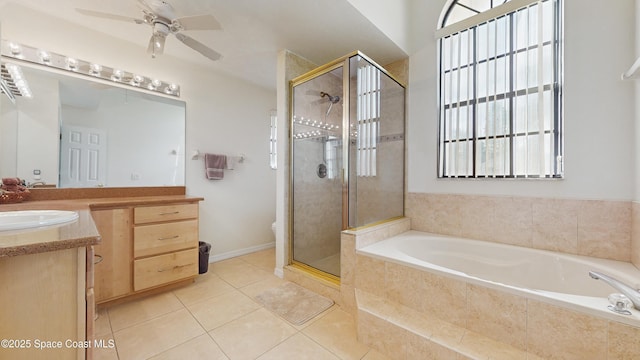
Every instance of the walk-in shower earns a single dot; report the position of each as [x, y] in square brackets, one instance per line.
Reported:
[334, 187]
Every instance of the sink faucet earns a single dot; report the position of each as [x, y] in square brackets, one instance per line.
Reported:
[626, 290]
[32, 185]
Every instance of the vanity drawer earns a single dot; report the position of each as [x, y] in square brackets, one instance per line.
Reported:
[163, 269]
[166, 237]
[149, 214]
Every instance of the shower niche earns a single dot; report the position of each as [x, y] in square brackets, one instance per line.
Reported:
[347, 157]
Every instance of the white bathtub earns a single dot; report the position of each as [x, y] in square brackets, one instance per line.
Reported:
[560, 279]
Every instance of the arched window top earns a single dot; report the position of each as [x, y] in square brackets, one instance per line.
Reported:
[458, 10]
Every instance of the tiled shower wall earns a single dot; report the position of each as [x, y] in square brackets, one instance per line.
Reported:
[597, 228]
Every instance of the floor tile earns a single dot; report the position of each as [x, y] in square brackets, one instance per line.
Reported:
[337, 331]
[240, 276]
[375, 355]
[206, 286]
[227, 265]
[132, 313]
[265, 259]
[252, 290]
[298, 347]
[106, 352]
[102, 323]
[219, 310]
[202, 347]
[261, 329]
[174, 325]
[157, 335]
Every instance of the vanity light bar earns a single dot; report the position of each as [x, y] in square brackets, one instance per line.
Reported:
[61, 62]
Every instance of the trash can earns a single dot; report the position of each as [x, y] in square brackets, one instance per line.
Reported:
[204, 257]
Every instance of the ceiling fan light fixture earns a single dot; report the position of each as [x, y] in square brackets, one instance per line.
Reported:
[158, 43]
[161, 16]
[158, 38]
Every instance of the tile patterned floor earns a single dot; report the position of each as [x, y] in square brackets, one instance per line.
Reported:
[217, 318]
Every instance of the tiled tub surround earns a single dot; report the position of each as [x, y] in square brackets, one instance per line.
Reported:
[596, 228]
[411, 309]
[410, 314]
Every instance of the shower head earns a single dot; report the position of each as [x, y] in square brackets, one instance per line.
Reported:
[332, 99]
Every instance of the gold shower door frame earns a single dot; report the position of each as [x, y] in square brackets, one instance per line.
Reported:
[343, 63]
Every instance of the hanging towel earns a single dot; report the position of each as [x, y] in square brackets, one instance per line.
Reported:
[214, 166]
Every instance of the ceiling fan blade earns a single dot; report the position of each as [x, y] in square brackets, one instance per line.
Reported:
[109, 16]
[199, 47]
[199, 22]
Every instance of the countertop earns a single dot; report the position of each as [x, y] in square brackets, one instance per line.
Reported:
[79, 233]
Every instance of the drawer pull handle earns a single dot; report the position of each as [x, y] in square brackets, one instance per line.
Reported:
[175, 267]
[97, 259]
[170, 213]
[169, 237]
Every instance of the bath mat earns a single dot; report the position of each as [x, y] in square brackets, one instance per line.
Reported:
[294, 303]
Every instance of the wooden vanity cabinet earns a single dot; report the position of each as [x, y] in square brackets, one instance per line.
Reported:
[113, 256]
[145, 247]
[46, 301]
[165, 244]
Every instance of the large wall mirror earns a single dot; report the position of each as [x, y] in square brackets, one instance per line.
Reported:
[74, 132]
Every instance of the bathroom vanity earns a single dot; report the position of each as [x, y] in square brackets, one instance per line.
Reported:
[121, 246]
[47, 299]
[149, 244]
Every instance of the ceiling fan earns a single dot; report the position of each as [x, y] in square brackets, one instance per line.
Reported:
[161, 17]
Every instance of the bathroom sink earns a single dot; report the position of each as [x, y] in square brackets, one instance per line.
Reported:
[27, 219]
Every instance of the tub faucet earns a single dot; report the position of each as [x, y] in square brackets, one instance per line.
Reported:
[626, 290]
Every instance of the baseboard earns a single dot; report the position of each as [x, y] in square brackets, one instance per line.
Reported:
[240, 252]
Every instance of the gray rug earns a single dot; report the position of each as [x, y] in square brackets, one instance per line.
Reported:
[294, 303]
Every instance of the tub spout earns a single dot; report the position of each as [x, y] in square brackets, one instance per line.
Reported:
[626, 290]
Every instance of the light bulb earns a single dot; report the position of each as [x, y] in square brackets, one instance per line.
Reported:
[117, 75]
[45, 57]
[136, 80]
[16, 50]
[95, 69]
[72, 64]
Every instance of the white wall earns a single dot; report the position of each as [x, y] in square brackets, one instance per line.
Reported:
[224, 115]
[391, 17]
[598, 107]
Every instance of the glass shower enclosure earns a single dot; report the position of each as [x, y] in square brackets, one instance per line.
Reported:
[347, 157]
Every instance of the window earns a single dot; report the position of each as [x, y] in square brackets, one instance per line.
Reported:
[273, 141]
[368, 116]
[500, 92]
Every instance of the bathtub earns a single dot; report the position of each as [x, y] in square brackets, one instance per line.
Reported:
[556, 278]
